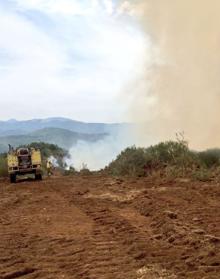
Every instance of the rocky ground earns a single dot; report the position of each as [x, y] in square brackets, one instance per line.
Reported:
[99, 227]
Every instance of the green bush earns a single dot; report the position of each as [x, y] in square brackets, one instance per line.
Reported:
[85, 170]
[172, 153]
[210, 158]
[3, 165]
[137, 161]
[129, 162]
[171, 159]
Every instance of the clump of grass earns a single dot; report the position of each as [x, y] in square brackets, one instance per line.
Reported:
[202, 174]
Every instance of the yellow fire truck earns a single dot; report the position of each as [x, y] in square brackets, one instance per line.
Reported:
[24, 161]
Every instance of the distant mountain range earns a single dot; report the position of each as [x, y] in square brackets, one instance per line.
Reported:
[61, 131]
[14, 127]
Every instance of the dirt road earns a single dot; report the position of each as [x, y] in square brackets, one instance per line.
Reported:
[102, 228]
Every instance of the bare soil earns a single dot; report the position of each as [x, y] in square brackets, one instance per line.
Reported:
[99, 227]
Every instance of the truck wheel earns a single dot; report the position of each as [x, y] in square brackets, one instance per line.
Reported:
[38, 176]
[13, 178]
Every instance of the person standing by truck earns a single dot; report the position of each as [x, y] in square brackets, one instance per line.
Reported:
[49, 167]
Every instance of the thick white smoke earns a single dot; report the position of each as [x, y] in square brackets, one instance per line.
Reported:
[99, 154]
[53, 160]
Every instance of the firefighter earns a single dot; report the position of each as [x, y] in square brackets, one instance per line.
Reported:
[49, 168]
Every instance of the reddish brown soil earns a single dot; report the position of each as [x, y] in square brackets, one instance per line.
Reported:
[101, 228]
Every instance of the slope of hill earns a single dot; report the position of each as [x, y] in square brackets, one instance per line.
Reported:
[62, 137]
[14, 127]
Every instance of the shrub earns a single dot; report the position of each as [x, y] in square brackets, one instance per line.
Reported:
[129, 162]
[70, 171]
[170, 159]
[84, 170]
[210, 158]
[3, 166]
[171, 153]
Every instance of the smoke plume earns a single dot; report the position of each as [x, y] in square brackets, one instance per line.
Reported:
[180, 90]
[98, 155]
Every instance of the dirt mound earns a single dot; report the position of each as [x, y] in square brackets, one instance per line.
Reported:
[100, 227]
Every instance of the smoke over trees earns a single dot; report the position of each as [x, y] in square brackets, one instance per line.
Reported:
[179, 89]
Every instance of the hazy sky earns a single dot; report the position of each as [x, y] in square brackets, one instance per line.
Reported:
[69, 58]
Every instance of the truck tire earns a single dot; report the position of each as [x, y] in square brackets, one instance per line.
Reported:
[13, 178]
[38, 176]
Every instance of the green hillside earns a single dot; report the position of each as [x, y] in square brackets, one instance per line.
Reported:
[61, 137]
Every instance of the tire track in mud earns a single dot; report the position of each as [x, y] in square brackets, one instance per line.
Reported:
[117, 249]
[90, 228]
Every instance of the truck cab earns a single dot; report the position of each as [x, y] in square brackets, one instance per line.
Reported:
[24, 161]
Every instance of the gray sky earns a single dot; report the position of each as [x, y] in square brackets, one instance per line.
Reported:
[69, 58]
